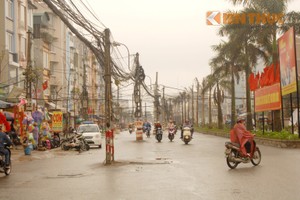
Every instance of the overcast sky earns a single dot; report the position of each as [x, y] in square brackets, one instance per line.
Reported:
[171, 36]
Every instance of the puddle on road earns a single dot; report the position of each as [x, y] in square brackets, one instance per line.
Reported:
[69, 174]
[157, 161]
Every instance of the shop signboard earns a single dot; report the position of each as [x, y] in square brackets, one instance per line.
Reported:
[57, 121]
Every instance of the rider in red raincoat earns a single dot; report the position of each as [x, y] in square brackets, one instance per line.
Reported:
[244, 138]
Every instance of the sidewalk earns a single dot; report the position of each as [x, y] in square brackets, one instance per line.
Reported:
[18, 155]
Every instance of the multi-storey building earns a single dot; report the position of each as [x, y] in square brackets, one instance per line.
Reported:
[16, 21]
[67, 66]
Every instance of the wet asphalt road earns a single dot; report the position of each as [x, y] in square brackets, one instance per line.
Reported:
[151, 170]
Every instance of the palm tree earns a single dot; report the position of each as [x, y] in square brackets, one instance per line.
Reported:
[227, 66]
[207, 87]
[215, 82]
[244, 38]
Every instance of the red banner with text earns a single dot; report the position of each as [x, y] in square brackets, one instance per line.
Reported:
[268, 98]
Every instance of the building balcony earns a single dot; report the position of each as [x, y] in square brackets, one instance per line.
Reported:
[53, 80]
[13, 59]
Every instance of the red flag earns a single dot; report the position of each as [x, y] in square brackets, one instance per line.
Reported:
[45, 85]
[251, 82]
[266, 75]
[262, 80]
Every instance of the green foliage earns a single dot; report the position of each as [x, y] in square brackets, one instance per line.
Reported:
[282, 135]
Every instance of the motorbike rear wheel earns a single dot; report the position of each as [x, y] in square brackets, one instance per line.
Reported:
[171, 137]
[7, 171]
[158, 137]
[256, 157]
[232, 164]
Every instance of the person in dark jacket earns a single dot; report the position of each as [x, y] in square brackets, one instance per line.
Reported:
[4, 139]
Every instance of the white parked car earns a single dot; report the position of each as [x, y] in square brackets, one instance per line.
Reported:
[91, 133]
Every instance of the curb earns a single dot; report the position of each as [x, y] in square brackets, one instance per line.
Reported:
[292, 144]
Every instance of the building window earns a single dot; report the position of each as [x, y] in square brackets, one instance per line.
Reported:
[9, 4]
[30, 18]
[45, 60]
[22, 16]
[9, 41]
[23, 48]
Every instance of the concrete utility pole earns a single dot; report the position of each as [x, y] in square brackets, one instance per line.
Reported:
[197, 104]
[108, 94]
[156, 99]
[145, 111]
[139, 77]
[85, 101]
[193, 112]
[164, 106]
[29, 75]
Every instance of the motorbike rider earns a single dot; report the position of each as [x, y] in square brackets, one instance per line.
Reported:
[244, 138]
[171, 124]
[147, 125]
[4, 139]
[189, 125]
[130, 126]
[156, 126]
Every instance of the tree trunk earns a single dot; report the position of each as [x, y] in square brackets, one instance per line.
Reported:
[249, 124]
[209, 108]
[233, 117]
[219, 102]
[203, 110]
[277, 114]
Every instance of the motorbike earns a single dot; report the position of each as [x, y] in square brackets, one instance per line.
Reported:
[171, 133]
[76, 141]
[159, 134]
[3, 168]
[55, 141]
[234, 155]
[147, 131]
[187, 135]
[130, 130]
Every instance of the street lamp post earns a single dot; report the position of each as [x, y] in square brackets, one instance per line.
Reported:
[119, 44]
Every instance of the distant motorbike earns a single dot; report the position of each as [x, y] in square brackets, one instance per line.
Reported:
[171, 133]
[77, 141]
[187, 135]
[147, 131]
[130, 130]
[159, 134]
[3, 168]
[234, 156]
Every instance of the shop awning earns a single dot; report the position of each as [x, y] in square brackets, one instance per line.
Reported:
[4, 104]
[55, 106]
